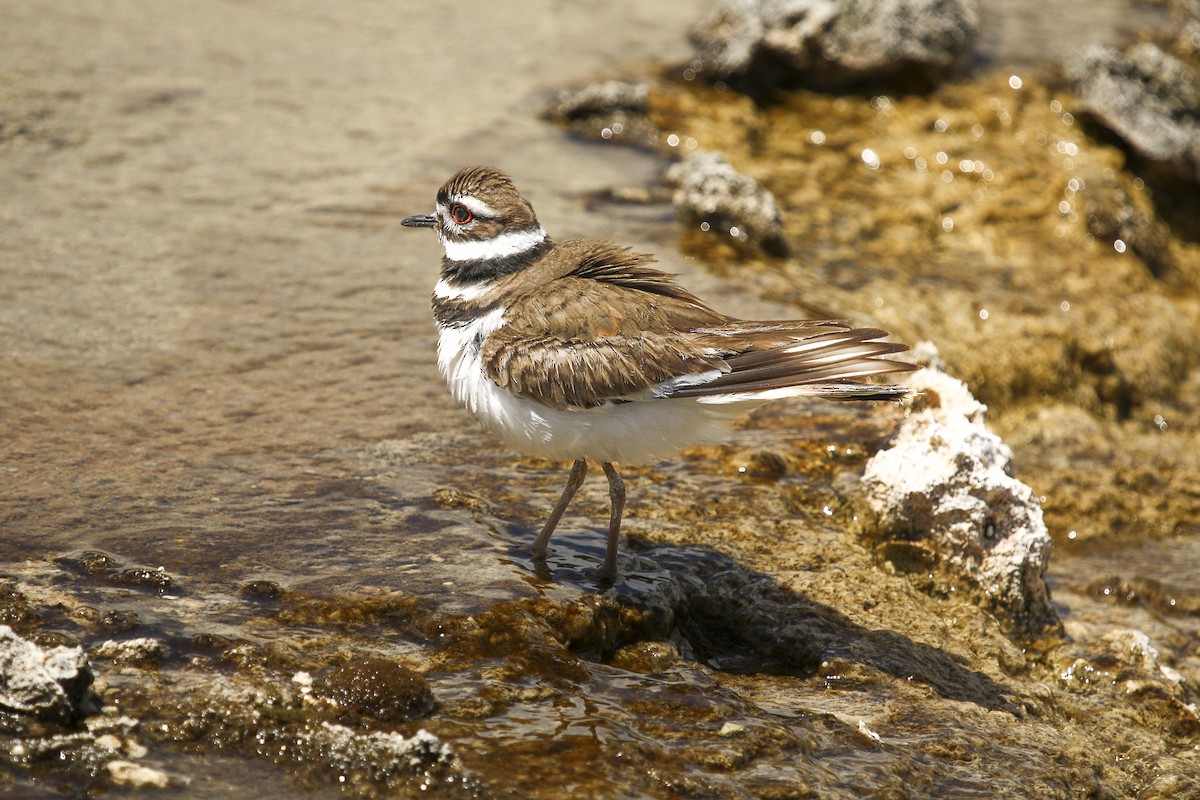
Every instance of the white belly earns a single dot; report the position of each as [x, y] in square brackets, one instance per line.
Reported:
[635, 432]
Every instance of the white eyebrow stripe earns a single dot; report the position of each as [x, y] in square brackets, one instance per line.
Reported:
[502, 246]
[477, 206]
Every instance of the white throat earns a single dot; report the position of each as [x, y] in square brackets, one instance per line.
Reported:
[502, 246]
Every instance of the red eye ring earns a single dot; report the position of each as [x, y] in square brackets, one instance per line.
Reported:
[461, 214]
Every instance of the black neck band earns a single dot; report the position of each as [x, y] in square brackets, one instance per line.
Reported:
[481, 270]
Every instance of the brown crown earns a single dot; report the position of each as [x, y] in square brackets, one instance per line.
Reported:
[514, 213]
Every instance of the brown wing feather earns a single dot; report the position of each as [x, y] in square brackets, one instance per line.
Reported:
[612, 343]
[619, 266]
[585, 374]
[612, 328]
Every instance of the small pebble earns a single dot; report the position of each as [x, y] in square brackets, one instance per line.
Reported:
[731, 729]
[136, 776]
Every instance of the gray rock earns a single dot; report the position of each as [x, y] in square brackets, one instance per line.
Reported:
[833, 42]
[49, 684]
[1149, 98]
[945, 486]
[611, 110]
[144, 651]
[602, 98]
[708, 191]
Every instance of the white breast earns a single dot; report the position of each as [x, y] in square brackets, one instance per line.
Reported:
[631, 433]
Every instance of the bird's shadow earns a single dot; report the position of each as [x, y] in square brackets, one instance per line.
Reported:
[732, 618]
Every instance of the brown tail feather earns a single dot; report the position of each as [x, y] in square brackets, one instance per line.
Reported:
[829, 358]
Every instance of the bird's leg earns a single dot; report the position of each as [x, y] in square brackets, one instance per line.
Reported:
[574, 481]
[616, 496]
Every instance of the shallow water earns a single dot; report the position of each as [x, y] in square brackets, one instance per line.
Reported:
[218, 361]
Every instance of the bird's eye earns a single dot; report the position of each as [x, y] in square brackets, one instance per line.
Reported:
[461, 214]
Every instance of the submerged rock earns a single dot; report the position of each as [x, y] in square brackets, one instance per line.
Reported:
[376, 688]
[709, 191]
[833, 42]
[49, 684]
[1113, 215]
[1125, 664]
[945, 488]
[275, 717]
[381, 753]
[105, 568]
[1148, 97]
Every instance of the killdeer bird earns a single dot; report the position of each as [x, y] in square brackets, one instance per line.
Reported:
[579, 350]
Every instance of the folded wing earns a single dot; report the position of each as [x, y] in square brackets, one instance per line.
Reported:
[635, 334]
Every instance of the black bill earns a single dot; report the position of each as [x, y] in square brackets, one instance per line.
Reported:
[421, 221]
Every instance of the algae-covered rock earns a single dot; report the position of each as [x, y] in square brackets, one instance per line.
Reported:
[946, 483]
[376, 688]
[275, 717]
[1125, 664]
[833, 42]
